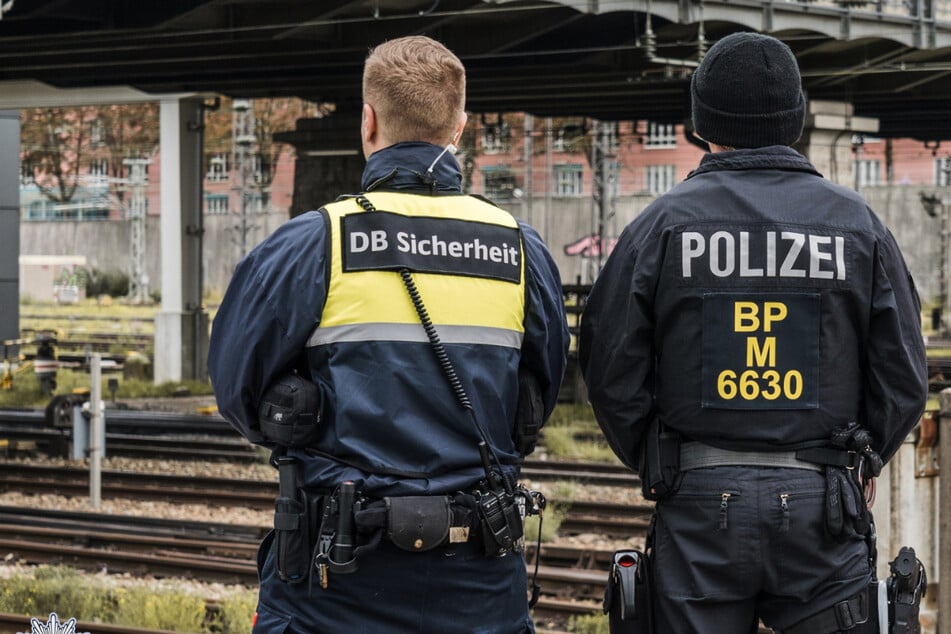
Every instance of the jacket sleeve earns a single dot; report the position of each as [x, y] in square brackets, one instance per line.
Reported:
[897, 383]
[545, 347]
[270, 308]
[615, 350]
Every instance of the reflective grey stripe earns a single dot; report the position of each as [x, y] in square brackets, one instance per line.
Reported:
[355, 333]
[695, 455]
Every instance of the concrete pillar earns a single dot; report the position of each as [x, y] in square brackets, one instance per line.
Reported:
[906, 513]
[827, 138]
[944, 515]
[10, 226]
[181, 326]
[329, 159]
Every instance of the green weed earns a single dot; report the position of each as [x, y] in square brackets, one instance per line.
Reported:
[237, 612]
[589, 624]
[554, 516]
[173, 611]
[71, 594]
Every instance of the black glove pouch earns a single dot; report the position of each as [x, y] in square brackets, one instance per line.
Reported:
[846, 514]
[418, 523]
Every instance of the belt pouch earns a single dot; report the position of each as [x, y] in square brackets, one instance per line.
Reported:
[418, 523]
[627, 595]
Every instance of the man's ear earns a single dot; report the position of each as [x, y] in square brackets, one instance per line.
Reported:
[368, 124]
[462, 124]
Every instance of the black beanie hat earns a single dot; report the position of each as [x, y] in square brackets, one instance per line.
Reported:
[747, 93]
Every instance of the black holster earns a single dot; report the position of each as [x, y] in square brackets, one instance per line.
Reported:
[906, 587]
[294, 527]
[659, 466]
[500, 523]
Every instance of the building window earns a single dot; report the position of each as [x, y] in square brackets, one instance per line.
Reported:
[99, 168]
[660, 178]
[498, 183]
[868, 172]
[27, 173]
[495, 138]
[569, 180]
[259, 169]
[612, 177]
[612, 144]
[98, 173]
[36, 210]
[566, 137]
[259, 202]
[130, 169]
[216, 204]
[660, 135]
[942, 171]
[97, 134]
[217, 168]
[40, 210]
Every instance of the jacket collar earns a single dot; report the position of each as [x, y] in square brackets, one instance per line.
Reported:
[772, 157]
[405, 166]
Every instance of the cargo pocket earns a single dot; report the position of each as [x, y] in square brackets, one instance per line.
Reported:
[270, 622]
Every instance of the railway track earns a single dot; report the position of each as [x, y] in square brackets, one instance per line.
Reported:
[615, 520]
[572, 578]
[142, 434]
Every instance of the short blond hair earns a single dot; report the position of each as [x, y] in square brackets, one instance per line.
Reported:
[417, 88]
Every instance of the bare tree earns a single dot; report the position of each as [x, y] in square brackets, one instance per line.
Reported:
[58, 143]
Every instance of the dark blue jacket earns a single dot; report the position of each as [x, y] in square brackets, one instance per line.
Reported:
[389, 419]
[755, 306]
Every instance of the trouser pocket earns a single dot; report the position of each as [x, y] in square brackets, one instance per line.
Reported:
[701, 543]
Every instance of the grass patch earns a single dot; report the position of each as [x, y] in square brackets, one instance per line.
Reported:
[589, 624]
[26, 391]
[571, 413]
[562, 441]
[572, 433]
[71, 594]
[236, 614]
[554, 516]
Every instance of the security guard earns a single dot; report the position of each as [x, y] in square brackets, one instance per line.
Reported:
[425, 337]
[753, 347]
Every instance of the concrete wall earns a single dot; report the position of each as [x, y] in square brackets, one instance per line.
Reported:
[918, 234]
[106, 244]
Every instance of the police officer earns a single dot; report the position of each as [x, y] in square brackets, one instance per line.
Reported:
[758, 325]
[432, 326]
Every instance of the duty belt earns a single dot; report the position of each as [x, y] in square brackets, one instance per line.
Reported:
[695, 455]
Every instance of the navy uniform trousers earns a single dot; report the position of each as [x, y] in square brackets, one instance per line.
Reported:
[739, 543]
[448, 589]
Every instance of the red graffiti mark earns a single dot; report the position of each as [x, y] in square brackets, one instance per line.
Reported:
[590, 246]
